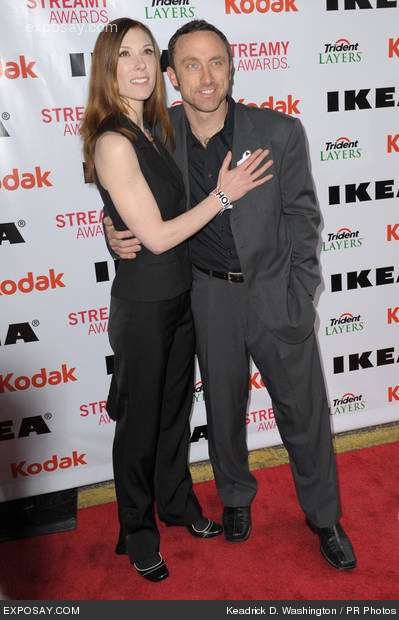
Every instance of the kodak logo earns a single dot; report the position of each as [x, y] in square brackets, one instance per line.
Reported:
[393, 393]
[39, 380]
[26, 285]
[14, 70]
[27, 180]
[22, 470]
[261, 6]
[288, 106]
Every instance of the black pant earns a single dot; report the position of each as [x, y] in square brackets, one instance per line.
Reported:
[151, 398]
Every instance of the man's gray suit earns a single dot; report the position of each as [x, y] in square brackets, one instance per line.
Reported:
[269, 316]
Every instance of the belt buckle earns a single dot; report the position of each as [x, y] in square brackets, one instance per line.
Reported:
[232, 273]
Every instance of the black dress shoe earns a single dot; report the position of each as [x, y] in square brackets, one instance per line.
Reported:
[157, 572]
[209, 531]
[237, 523]
[335, 546]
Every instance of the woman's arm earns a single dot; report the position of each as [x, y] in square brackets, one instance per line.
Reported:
[119, 173]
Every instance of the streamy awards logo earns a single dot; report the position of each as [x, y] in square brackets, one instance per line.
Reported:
[71, 13]
[68, 118]
[97, 411]
[82, 224]
[260, 55]
[263, 419]
[94, 320]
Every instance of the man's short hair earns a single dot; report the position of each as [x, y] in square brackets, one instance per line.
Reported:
[196, 25]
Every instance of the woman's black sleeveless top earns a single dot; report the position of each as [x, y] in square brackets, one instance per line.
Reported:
[152, 277]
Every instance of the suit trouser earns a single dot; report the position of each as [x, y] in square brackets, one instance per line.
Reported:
[229, 329]
[151, 398]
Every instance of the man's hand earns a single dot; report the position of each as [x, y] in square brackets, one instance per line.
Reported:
[123, 245]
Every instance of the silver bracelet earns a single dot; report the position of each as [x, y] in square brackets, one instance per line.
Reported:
[224, 201]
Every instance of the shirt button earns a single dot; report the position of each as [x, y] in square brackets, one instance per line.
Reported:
[210, 175]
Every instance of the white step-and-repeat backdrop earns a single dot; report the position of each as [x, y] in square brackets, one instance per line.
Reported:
[332, 63]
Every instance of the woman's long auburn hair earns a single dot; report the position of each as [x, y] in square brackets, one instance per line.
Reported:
[105, 105]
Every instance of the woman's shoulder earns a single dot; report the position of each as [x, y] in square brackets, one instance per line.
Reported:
[112, 143]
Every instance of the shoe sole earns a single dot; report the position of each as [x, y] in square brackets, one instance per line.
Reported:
[242, 539]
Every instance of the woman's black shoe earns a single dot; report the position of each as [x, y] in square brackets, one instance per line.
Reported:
[157, 572]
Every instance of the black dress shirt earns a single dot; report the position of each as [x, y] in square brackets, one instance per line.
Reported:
[213, 246]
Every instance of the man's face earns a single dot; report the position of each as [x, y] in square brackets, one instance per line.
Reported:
[202, 70]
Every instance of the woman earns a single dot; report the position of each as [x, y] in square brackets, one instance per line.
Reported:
[150, 325]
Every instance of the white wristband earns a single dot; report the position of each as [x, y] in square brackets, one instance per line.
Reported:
[224, 201]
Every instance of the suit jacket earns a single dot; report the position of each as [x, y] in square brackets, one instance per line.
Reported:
[275, 226]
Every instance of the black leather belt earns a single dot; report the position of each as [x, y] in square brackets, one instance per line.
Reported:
[230, 276]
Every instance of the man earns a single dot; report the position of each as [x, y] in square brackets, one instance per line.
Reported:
[255, 272]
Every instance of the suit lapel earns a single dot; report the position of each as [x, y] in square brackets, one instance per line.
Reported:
[245, 136]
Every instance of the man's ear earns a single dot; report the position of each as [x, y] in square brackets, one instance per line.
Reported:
[230, 69]
[172, 77]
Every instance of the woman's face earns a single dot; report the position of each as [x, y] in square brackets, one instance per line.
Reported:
[137, 66]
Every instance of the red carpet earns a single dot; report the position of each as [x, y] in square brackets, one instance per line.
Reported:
[279, 561]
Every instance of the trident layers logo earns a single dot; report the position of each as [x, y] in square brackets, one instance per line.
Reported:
[346, 323]
[198, 394]
[341, 148]
[169, 9]
[343, 239]
[342, 51]
[348, 403]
